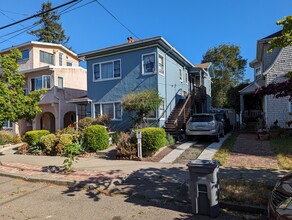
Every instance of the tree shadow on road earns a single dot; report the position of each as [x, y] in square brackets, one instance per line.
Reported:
[94, 185]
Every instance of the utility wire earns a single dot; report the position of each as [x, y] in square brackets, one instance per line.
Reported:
[9, 17]
[36, 15]
[34, 25]
[116, 18]
[13, 12]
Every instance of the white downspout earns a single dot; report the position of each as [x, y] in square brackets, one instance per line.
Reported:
[59, 105]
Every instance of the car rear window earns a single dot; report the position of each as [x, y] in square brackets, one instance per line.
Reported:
[202, 118]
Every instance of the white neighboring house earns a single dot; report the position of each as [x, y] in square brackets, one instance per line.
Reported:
[56, 68]
[268, 68]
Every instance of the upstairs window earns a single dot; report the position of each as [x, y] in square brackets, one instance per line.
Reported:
[148, 63]
[46, 57]
[258, 71]
[161, 64]
[107, 70]
[186, 77]
[180, 75]
[68, 63]
[41, 82]
[60, 59]
[24, 55]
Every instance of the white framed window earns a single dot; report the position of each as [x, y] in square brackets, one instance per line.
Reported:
[46, 57]
[24, 54]
[152, 114]
[112, 109]
[60, 82]
[7, 124]
[257, 71]
[107, 70]
[60, 59]
[41, 82]
[68, 63]
[180, 75]
[148, 63]
[161, 64]
[186, 77]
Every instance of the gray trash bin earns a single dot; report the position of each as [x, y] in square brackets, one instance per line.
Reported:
[204, 187]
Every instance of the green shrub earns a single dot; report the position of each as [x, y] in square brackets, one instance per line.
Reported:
[5, 138]
[152, 140]
[66, 139]
[169, 140]
[48, 142]
[33, 137]
[96, 138]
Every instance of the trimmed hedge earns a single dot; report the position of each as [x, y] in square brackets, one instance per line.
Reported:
[152, 140]
[33, 137]
[96, 138]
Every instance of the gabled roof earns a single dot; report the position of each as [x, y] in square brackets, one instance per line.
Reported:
[206, 67]
[277, 34]
[136, 45]
[203, 65]
[41, 44]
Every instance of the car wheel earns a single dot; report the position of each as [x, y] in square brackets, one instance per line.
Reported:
[217, 137]
[222, 133]
[189, 138]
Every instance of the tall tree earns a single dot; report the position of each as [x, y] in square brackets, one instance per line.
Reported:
[229, 68]
[50, 31]
[141, 103]
[233, 96]
[14, 104]
[286, 38]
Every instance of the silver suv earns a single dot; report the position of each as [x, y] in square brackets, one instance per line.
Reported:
[204, 124]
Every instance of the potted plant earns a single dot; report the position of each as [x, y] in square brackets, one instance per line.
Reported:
[263, 134]
[275, 129]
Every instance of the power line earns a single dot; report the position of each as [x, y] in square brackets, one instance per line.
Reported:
[37, 15]
[9, 17]
[34, 25]
[14, 12]
[116, 18]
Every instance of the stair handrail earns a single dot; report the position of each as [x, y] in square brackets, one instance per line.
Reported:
[162, 115]
[182, 109]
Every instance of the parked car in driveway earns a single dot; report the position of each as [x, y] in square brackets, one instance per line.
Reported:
[280, 202]
[225, 120]
[204, 124]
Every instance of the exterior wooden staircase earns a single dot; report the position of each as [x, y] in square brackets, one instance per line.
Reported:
[177, 119]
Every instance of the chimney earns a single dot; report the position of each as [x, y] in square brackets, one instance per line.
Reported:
[130, 40]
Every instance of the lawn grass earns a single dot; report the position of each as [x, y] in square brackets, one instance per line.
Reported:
[224, 151]
[282, 146]
[243, 192]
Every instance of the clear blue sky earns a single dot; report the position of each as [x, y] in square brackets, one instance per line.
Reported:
[191, 26]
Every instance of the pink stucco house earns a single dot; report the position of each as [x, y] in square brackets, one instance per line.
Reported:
[56, 68]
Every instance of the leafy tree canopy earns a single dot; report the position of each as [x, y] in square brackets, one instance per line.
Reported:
[14, 104]
[286, 38]
[233, 96]
[141, 103]
[229, 68]
[51, 31]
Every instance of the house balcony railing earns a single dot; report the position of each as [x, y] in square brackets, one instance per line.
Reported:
[199, 93]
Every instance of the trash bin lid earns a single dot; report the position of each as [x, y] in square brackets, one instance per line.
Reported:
[212, 164]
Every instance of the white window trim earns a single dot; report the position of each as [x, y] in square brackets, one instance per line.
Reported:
[109, 61]
[160, 113]
[10, 125]
[162, 74]
[180, 73]
[60, 77]
[156, 65]
[114, 109]
[260, 71]
[42, 76]
[53, 57]
[186, 76]
[24, 59]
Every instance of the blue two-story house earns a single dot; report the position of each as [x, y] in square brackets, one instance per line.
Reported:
[151, 63]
